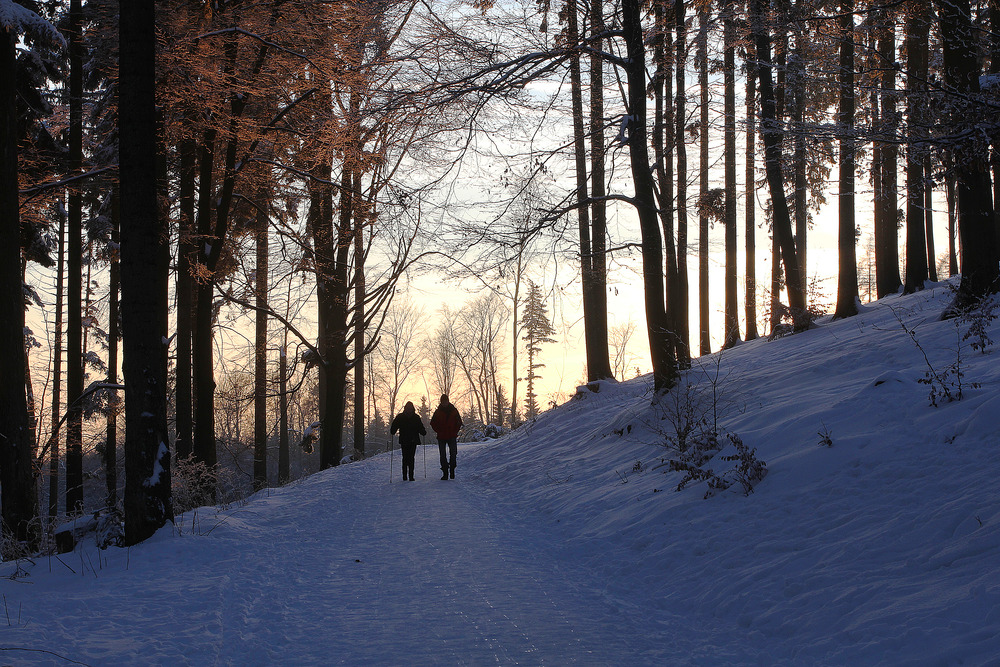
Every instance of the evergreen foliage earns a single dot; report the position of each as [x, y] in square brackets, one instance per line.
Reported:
[537, 331]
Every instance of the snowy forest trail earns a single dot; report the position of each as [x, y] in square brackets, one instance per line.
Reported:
[428, 572]
[346, 568]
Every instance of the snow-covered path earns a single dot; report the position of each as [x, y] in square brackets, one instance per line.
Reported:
[428, 573]
[343, 568]
[446, 578]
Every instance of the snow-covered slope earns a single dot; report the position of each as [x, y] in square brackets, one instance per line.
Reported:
[882, 548]
[873, 538]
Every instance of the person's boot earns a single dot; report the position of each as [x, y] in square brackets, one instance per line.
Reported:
[445, 475]
[453, 473]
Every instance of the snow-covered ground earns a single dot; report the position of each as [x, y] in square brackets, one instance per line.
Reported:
[566, 543]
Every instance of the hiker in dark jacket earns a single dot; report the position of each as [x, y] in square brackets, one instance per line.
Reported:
[446, 423]
[410, 428]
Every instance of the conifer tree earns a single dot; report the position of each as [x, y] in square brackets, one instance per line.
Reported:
[537, 330]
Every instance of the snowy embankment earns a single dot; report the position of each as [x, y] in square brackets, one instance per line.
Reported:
[880, 548]
[873, 538]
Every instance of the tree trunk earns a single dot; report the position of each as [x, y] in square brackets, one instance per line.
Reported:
[203, 375]
[886, 207]
[878, 207]
[144, 257]
[595, 320]
[951, 197]
[599, 224]
[114, 335]
[683, 318]
[704, 333]
[582, 193]
[917, 29]
[847, 283]
[776, 307]
[260, 344]
[57, 354]
[772, 135]
[801, 186]
[663, 144]
[213, 242]
[185, 290]
[202, 372]
[751, 194]
[929, 219]
[74, 297]
[994, 41]
[664, 365]
[980, 271]
[515, 343]
[331, 245]
[284, 469]
[732, 331]
[18, 492]
[331, 442]
[29, 390]
[359, 337]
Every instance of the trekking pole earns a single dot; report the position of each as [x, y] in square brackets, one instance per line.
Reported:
[390, 458]
[423, 446]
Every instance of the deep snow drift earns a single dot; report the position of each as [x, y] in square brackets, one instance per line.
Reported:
[873, 538]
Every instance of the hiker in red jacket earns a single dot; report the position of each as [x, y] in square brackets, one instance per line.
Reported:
[446, 423]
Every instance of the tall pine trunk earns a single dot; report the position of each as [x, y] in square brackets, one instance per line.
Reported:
[952, 201]
[598, 190]
[917, 32]
[18, 492]
[732, 331]
[284, 467]
[704, 332]
[74, 297]
[114, 335]
[847, 282]
[144, 266]
[202, 371]
[797, 84]
[886, 194]
[929, 219]
[359, 339]
[683, 318]
[260, 343]
[751, 195]
[185, 291]
[57, 375]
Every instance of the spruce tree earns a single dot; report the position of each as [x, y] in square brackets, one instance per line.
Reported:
[537, 330]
